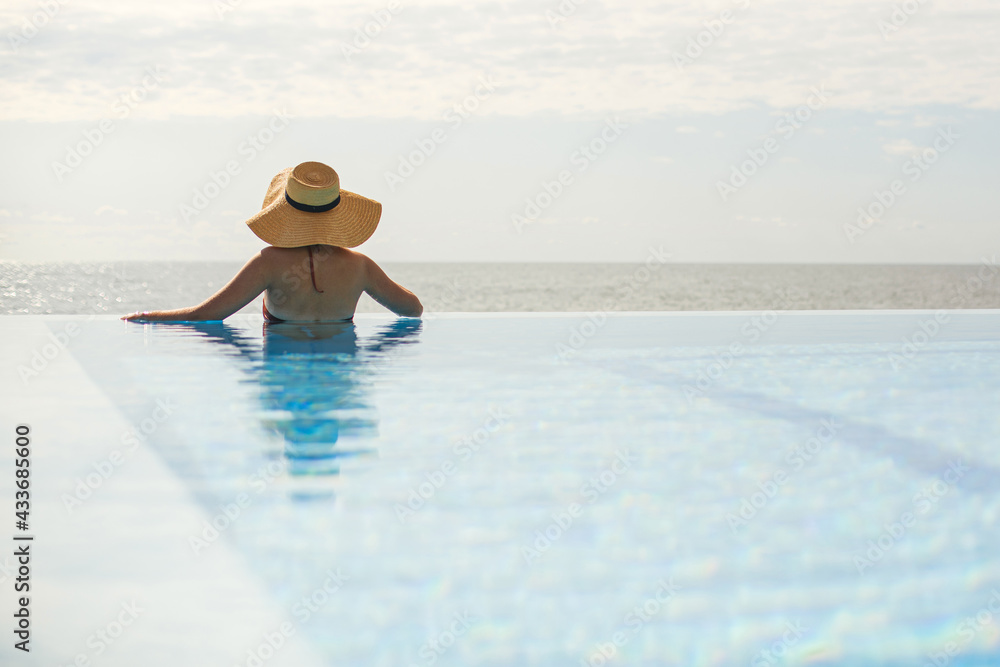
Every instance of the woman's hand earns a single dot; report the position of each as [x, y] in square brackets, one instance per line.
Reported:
[179, 315]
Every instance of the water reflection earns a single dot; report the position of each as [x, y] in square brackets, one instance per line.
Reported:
[314, 385]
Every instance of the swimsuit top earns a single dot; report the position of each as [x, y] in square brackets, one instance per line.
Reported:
[268, 317]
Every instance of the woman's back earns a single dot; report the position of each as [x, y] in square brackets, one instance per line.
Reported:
[314, 283]
[323, 283]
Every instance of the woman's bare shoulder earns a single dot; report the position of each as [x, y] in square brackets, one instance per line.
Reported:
[271, 253]
[277, 260]
[353, 254]
[350, 257]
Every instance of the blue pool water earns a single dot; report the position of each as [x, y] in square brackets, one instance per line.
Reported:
[637, 489]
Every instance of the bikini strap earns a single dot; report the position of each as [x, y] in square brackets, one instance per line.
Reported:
[268, 317]
[312, 274]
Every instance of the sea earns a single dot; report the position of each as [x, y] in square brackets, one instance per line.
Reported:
[123, 287]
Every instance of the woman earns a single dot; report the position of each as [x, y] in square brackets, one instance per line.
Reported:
[308, 274]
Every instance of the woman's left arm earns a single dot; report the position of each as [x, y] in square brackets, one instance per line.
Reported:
[251, 280]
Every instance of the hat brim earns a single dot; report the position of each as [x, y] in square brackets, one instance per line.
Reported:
[350, 223]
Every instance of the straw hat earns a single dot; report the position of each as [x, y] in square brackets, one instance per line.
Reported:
[305, 205]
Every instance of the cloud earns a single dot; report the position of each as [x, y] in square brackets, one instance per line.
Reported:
[911, 225]
[47, 217]
[900, 147]
[614, 56]
[108, 208]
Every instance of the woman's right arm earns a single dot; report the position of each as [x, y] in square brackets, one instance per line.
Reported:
[241, 290]
[389, 293]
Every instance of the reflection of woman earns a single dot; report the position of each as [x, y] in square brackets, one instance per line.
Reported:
[312, 394]
[308, 274]
[313, 385]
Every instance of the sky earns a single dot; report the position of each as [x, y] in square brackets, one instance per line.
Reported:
[544, 130]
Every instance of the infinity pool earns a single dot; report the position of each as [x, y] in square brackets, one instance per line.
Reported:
[798, 488]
